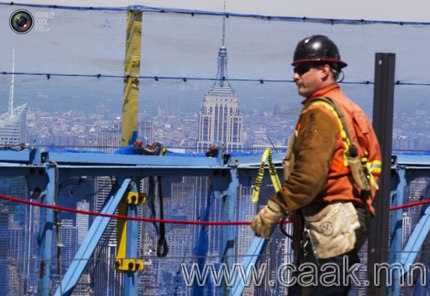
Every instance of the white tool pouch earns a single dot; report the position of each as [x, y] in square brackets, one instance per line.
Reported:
[332, 230]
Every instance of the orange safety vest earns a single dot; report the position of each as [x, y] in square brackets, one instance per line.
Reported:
[339, 184]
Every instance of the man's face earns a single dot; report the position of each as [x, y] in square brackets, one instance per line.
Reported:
[309, 78]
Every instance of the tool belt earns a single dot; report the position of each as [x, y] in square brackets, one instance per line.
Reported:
[336, 229]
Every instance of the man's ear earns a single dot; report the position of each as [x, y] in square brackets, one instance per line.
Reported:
[325, 72]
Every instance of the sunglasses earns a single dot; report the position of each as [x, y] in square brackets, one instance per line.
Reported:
[305, 67]
[302, 68]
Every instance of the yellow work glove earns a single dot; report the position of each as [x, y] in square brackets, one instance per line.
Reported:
[265, 219]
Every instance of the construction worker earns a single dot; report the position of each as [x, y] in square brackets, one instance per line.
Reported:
[331, 174]
[143, 147]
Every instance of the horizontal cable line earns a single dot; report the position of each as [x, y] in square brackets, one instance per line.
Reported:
[154, 220]
[191, 12]
[185, 79]
[367, 82]
[153, 257]
[23, 146]
[147, 257]
[67, 7]
[121, 217]
[156, 78]
[49, 75]
[409, 205]
[19, 147]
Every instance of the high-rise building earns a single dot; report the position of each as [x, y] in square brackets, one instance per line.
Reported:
[31, 250]
[146, 129]
[4, 275]
[83, 287]
[406, 228]
[109, 138]
[107, 280]
[219, 119]
[15, 240]
[12, 132]
[15, 258]
[82, 221]
[68, 237]
[12, 126]
[13, 122]
[220, 123]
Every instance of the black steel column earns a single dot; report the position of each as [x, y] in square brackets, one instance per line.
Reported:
[383, 106]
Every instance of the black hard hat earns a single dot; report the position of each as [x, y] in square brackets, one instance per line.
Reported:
[318, 48]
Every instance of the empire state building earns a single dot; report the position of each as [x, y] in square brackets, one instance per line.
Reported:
[14, 122]
[219, 119]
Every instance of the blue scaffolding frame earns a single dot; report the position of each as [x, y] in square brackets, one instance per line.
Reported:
[42, 168]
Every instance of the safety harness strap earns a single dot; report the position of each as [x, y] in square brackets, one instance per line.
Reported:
[336, 110]
[350, 155]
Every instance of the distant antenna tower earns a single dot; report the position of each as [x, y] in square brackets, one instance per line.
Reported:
[12, 86]
[221, 79]
[223, 27]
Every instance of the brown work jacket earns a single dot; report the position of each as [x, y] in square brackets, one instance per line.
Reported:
[319, 173]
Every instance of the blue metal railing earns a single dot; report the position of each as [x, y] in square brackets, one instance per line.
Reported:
[40, 167]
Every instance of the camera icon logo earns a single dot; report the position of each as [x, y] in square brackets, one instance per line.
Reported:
[21, 21]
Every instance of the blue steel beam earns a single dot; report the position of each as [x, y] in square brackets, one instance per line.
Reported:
[92, 163]
[229, 210]
[396, 230]
[171, 165]
[10, 156]
[90, 242]
[126, 159]
[415, 241]
[98, 159]
[251, 257]
[45, 237]
[413, 159]
[201, 247]
[14, 170]
[254, 161]
[136, 171]
[94, 158]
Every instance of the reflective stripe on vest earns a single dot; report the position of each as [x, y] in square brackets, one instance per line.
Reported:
[371, 167]
[343, 134]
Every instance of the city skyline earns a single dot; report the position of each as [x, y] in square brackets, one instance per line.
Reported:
[84, 113]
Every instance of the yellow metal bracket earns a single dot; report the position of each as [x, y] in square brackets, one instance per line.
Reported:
[131, 199]
[135, 198]
[124, 264]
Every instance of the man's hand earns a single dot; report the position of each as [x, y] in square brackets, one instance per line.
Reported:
[267, 217]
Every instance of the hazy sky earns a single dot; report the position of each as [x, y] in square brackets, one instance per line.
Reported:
[176, 45]
[397, 10]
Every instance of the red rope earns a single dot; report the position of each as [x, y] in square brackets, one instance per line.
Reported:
[409, 205]
[122, 217]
